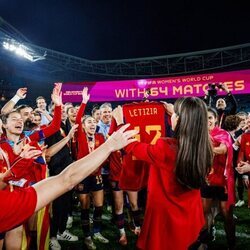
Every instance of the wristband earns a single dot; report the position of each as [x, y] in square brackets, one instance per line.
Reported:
[15, 99]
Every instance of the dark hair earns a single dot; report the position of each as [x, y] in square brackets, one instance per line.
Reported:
[84, 119]
[37, 114]
[4, 117]
[95, 108]
[194, 157]
[29, 125]
[22, 106]
[213, 111]
[39, 98]
[70, 107]
[232, 122]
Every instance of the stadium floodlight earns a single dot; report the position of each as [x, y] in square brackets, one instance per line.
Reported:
[22, 50]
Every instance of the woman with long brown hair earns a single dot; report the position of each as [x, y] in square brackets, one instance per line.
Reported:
[179, 165]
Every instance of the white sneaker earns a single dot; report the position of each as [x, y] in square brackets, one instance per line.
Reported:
[54, 244]
[89, 243]
[240, 203]
[69, 222]
[213, 233]
[100, 238]
[66, 235]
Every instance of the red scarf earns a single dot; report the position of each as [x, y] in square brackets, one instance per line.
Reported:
[219, 135]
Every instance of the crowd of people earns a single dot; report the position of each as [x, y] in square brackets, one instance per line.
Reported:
[192, 174]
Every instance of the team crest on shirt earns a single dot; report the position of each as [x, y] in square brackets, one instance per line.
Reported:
[97, 143]
[4, 169]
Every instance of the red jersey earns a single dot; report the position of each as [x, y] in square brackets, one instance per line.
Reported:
[244, 153]
[149, 119]
[174, 213]
[222, 172]
[115, 158]
[34, 172]
[49, 130]
[83, 143]
[16, 207]
[115, 164]
[218, 174]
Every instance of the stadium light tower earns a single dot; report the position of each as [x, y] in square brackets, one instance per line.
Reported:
[14, 41]
[21, 50]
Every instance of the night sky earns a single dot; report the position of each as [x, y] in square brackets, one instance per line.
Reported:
[116, 29]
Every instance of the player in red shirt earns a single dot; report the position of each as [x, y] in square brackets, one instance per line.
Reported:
[220, 181]
[116, 165]
[12, 143]
[20, 204]
[174, 214]
[244, 159]
[88, 140]
[128, 173]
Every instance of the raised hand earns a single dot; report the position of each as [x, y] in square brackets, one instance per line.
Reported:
[72, 131]
[38, 110]
[30, 152]
[224, 87]
[169, 107]
[21, 93]
[85, 95]
[58, 85]
[118, 115]
[122, 138]
[56, 95]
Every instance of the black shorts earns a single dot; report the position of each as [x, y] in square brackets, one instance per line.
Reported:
[90, 184]
[214, 192]
[115, 185]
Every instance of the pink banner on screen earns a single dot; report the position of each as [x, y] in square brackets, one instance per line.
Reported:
[161, 88]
